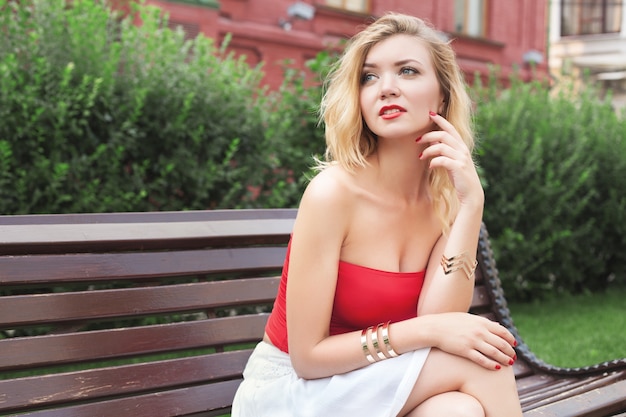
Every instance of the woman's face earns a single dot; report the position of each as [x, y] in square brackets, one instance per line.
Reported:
[399, 87]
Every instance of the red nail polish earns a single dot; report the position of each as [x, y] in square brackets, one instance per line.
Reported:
[432, 113]
[420, 155]
[514, 343]
[511, 362]
[418, 139]
[498, 367]
[514, 357]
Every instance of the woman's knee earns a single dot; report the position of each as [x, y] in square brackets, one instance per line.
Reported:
[449, 404]
[463, 371]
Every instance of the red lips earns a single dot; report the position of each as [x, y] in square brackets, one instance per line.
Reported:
[391, 112]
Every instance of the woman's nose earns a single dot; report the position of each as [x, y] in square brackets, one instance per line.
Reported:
[388, 86]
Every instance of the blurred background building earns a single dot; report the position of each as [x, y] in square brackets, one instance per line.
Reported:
[509, 34]
[589, 37]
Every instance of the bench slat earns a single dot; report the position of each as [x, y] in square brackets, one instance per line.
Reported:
[566, 388]
[149, 216]
[21, 310]
[534, 381]
[197, 401]
[37, 269]
[598, 402]
[556, 386]
[27, 352]
[121, 380]
[63, 238]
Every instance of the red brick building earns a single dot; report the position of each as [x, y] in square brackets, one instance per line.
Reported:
[508, 34]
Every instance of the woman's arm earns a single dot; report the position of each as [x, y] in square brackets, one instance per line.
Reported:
[453, 291]
[318, 235]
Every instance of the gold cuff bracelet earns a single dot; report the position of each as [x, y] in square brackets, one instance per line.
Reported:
[385, 332]
[379, 353]
[460, 262]
[364, 345]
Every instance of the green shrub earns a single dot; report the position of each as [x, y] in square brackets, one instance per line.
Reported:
[293, 130]
[553, 165]
[102, 115]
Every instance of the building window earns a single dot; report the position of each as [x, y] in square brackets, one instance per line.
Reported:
[360, 6]
[590, 17]
[470, 17]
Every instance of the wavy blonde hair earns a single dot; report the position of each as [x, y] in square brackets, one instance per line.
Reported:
[348, 139]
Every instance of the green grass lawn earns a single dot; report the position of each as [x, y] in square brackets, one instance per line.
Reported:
[576, 330]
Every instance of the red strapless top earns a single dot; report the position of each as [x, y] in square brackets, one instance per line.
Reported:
[364, 297]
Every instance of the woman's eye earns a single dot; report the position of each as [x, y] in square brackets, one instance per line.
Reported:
[367, 77]
[408, 71]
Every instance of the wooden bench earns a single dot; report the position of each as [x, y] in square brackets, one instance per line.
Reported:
[155, 315]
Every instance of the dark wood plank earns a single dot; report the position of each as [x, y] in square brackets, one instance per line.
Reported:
[30, 309]
[598, 402]
[121, 380]
[198, 401]
[558, 386]
[34, 269]
[65, 238]
[531, 382]
[28, 352]
[564, 388]
[148, 217]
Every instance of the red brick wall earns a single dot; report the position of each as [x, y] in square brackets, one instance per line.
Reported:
[514, 28]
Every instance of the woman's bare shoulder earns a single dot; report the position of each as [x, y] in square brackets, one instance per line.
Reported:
[332, 186]
[329, 200]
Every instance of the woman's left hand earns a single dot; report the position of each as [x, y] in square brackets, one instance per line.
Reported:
[446, 149]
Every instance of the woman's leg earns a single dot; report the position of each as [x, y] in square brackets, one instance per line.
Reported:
[446, 373]
[449, 404]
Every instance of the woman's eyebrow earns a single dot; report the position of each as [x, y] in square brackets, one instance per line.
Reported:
[408, 61]
[396, 64]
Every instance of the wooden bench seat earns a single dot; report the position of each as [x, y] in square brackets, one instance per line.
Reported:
[155, 315]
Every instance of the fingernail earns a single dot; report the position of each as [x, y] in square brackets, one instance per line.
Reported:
[515, 357]
[515, 343]
[432, 113]
[498, 367]
[511, 362]
[418, 139]
[420, 155]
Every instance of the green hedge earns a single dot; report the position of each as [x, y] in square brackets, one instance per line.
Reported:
[102, 115]
[554, 166]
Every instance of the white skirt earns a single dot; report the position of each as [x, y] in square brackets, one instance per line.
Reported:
[272, 388]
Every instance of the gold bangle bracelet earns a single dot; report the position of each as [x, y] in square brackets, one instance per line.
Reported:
[379, 353]
[460, 262]
[365, 347]
[390, 350]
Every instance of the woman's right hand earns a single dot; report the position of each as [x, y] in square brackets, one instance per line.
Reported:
[476, 338]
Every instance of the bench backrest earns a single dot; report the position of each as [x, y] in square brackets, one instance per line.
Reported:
[191, 291]
[142, 314]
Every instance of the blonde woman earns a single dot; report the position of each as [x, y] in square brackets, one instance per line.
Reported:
[371, 315]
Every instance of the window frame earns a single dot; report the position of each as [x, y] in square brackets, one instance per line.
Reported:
[578, 12]
[484, 20]
[366, 6]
